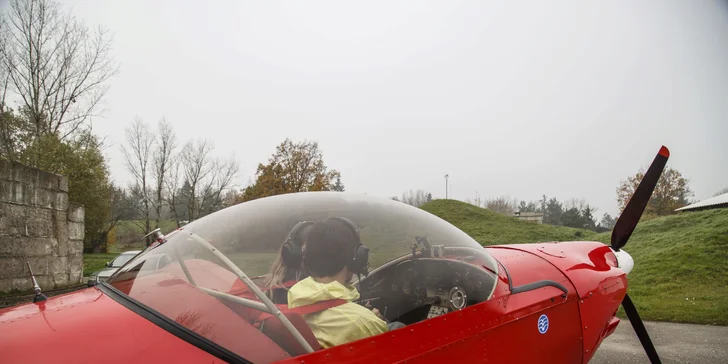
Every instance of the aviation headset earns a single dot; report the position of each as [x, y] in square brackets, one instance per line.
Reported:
[292, 250]
[359, 261]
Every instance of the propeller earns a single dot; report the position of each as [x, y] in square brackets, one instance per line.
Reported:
[623, 230]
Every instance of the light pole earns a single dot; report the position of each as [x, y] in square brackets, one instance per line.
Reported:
[446, 177]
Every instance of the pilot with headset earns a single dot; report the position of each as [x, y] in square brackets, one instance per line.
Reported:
[333, 254]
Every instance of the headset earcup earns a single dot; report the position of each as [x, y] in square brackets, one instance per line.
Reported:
[361, 259]
[291, 254]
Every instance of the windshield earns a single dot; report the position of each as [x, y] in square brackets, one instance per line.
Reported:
[251, 235]
[121, 260]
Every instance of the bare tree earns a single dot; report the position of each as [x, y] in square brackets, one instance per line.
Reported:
[215, 188]
[137, 157]
[414, 198]
[578, 203]
[54, 65]
[163, 154]
[197, 164]
[172, 186]
[503, 205]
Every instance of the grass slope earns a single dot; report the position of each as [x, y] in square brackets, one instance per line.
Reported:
[492, 228]
[681, 261]
[681, 267]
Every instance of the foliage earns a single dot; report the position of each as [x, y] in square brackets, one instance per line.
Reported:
[489, 227]
[681, 267]
[553, 212]
[607, 223]
[501, 205]
[338, 186]
[110, 239]
[95, 262]
[672, 192]
[527, 206]
[80, 159]
[294, 167]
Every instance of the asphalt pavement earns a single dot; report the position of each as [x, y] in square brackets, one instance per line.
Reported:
[675, 343]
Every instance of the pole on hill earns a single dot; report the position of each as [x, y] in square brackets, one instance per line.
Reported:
[446, 177]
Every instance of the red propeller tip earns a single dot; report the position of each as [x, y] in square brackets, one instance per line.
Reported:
[665, 152]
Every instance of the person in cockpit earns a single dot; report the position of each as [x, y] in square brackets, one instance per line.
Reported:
[288, 267]
[332, 256]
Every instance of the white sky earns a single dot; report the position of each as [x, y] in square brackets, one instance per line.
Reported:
[563, 98]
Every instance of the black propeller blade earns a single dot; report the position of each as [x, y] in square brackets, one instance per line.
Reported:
[639, 328]
[633, 211]
[623, 230]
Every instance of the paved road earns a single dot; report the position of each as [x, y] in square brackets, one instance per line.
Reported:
[675, 343]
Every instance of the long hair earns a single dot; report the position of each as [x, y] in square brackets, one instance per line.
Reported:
[280, 272]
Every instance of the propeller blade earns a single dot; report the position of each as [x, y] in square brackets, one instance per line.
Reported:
[636, 206]
[639, 328]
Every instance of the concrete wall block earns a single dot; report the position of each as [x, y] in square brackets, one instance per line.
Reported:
[7, 245]
[76, 213]
[45, 282]
[6, 191]
[60, 265]
[60, 279]
[75, 263]
[62, 247]
[61, 202]
[40, 223]
[35, 247]
[6, 284]
[62, 183]
[22, 283]
[45, 198]
[47, 181]
[25, 174]
[18, 191]
[75, 247]
[6, 170]
[41, 265]
[75, 230]
[76, 275]
[12, 267]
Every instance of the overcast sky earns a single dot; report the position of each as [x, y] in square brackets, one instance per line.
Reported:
[563, 98]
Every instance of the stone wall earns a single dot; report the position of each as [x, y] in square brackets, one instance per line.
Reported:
[38, 225]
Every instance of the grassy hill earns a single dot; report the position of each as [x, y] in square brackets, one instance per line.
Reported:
[681, 261]
[681, 267]
[492, 228]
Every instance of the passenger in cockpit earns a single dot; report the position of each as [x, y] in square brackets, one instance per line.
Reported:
[333, 255]
[288, 267]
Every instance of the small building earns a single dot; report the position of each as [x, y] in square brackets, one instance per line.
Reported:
[717, 202]
[536, 217]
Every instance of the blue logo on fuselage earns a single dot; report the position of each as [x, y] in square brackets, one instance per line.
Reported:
[543, 324]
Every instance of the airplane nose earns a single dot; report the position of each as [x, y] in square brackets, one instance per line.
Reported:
[626, 263]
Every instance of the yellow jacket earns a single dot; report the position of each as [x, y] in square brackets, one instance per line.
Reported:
[340, 324]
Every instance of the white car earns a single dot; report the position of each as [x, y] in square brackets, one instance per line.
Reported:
[160, 261]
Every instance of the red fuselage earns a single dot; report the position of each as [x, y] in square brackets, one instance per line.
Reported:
[89, 326]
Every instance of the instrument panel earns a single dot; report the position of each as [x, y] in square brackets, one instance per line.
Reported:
[420, 288]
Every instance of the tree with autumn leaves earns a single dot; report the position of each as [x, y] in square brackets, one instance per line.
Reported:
[294, 167]
[672, 192]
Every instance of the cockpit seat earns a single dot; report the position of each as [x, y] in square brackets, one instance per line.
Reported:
[274, 328]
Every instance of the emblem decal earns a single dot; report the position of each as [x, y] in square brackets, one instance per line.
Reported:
[543, 324]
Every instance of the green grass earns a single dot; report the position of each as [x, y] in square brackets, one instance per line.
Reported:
[681, 267]
[681, 261]
[492, 228]
[94, 262]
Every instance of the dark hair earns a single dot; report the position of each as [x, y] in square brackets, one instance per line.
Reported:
[329, 247]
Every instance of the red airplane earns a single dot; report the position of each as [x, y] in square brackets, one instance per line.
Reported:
[460, 302]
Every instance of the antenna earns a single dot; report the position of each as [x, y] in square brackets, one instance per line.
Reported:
[38, 295]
